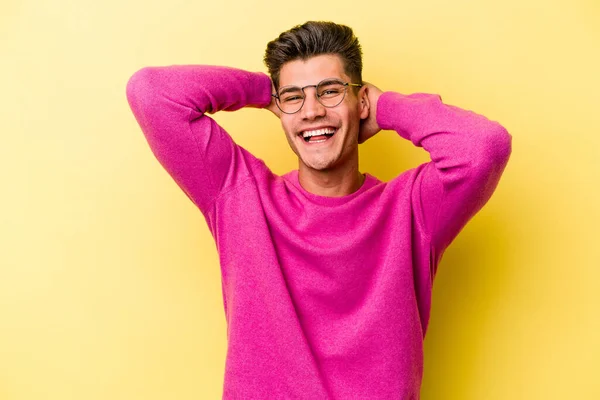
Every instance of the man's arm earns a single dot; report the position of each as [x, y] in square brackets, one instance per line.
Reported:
[468, 151]
[170, 104]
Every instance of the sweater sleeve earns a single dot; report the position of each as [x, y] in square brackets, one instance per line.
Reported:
[170, 105]
[468, 155]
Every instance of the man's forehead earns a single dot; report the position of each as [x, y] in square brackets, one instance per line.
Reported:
[312, 70]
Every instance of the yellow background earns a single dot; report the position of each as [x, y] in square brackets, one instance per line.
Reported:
[109, 281]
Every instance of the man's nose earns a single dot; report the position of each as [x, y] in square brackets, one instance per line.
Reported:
[312, 108]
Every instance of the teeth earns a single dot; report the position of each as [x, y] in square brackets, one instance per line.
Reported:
[318, 132]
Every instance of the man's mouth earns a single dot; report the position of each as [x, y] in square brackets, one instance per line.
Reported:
[318, 135]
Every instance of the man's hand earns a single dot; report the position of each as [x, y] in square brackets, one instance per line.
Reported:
[369, 126]
[273, 106]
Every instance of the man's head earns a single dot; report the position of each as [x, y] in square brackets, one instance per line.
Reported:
[303, 57]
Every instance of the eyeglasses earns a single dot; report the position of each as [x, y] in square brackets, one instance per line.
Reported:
[330, 93]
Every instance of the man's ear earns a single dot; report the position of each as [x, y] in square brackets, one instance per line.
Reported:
[363, 102]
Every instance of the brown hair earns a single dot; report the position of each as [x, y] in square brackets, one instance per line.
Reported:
[311, 39]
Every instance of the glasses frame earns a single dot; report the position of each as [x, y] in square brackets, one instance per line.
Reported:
[345, 84]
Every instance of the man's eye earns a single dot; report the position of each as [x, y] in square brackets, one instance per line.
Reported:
[330, 92]
[289, 99]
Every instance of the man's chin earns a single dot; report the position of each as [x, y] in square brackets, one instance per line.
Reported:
[318, 165]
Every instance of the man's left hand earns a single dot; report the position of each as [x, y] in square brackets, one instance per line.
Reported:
[369, 126]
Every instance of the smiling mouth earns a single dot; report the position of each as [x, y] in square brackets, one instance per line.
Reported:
[318, 135]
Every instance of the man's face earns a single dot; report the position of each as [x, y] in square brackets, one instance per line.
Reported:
[343, 119]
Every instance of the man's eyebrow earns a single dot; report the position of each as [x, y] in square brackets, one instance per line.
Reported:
[328, 81]
[287, 89]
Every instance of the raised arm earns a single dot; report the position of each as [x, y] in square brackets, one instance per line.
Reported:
[170, 105]
[468, 151]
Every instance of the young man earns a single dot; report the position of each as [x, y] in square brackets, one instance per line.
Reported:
[327, 272]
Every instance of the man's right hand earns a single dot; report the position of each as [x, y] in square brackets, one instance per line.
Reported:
[273, 106]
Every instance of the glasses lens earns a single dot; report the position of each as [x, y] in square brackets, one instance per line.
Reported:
[290, 99]
[331, 92]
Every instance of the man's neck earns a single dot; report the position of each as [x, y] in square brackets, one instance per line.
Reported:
[331, 183]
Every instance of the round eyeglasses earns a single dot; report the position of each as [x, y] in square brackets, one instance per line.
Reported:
[330, 93]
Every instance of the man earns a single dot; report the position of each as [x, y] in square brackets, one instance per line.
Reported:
[327, 272]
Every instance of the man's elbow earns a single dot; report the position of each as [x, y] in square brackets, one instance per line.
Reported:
[139, 87]
[496, 149]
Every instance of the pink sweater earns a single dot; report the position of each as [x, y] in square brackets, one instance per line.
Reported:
[325, 298]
